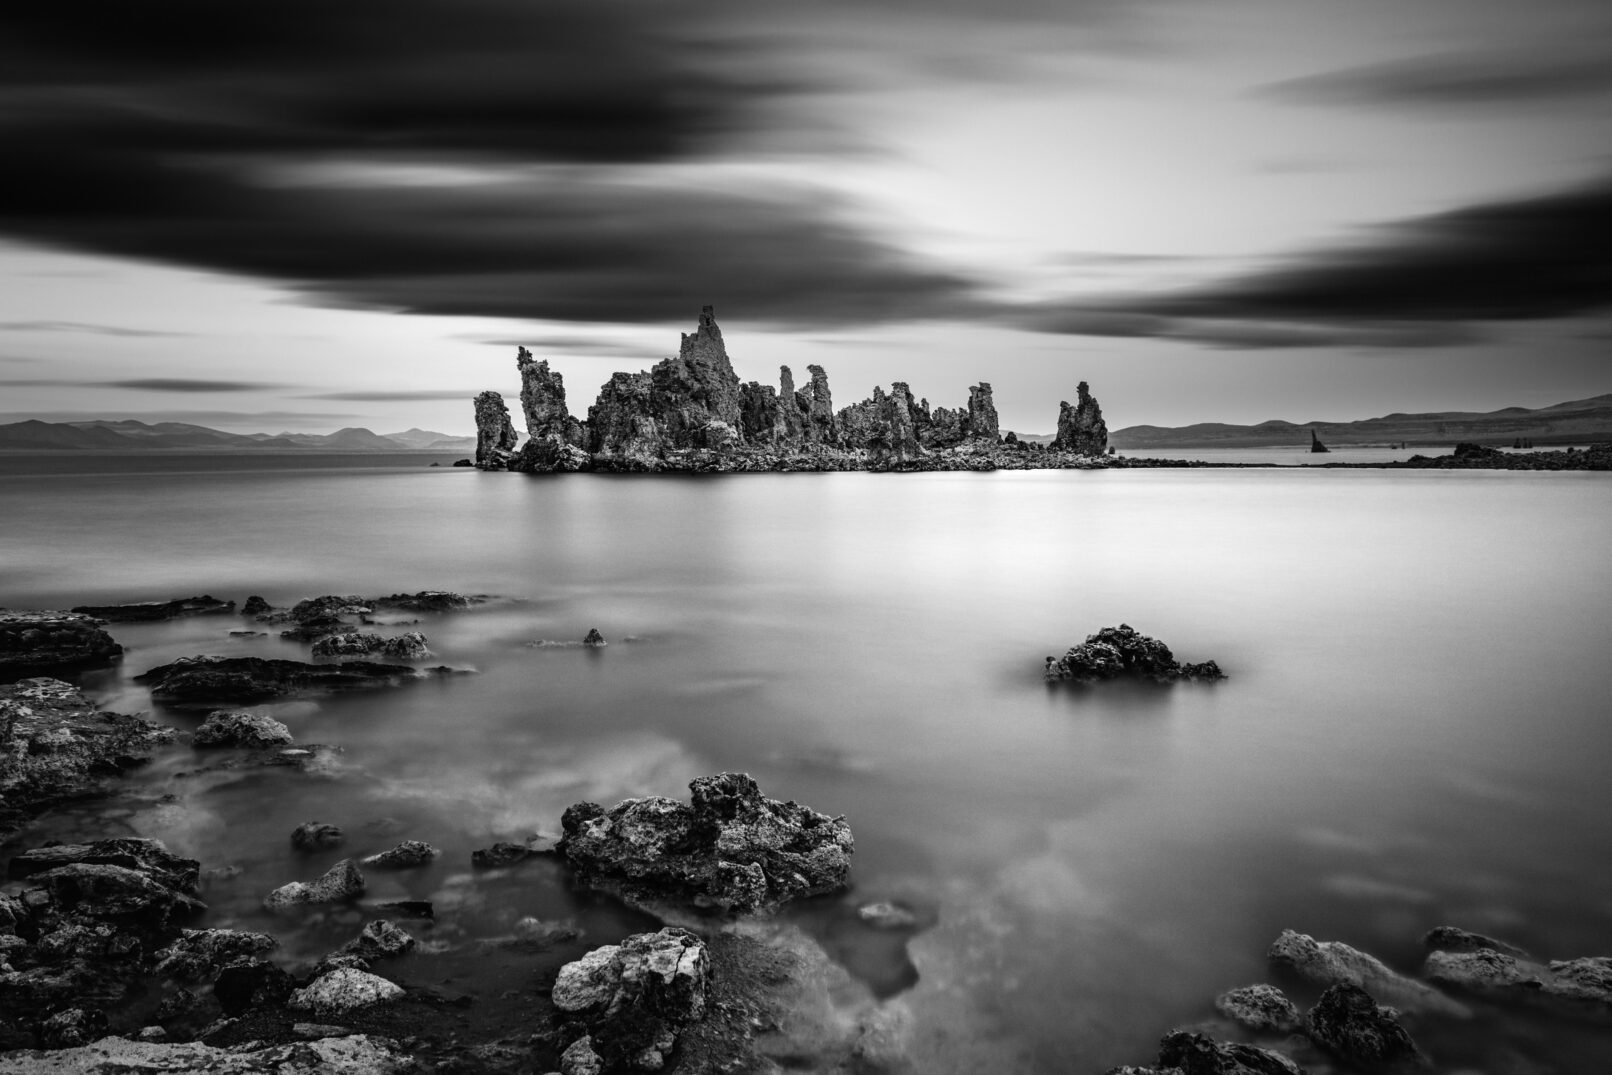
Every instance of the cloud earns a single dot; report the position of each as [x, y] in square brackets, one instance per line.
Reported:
[1450, 80]
[215, 419]
[1428, 281]
[428, 395]
[150, 384]
[595, 346]
[87, 328]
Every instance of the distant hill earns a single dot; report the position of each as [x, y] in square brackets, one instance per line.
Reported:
[130, 434]
[1576, 421]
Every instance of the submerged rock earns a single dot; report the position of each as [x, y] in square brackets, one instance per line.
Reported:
[1261, 1008]
[228, 728]
[379, 939]
[633, 999]
[1348, 1023]
[39, 643]
[406, 647]
[426, 601]
[1198, 1054]
[731, 849]
[406, 855]
[148, 611]
[1330, 963]
[1124, 652]
[316, 835]
[342, 881]
[1451, 939]
[203, 680]
[55, 746]
[1581, 987]
[256, 606]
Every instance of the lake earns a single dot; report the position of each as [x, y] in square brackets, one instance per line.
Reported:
[1414, 732]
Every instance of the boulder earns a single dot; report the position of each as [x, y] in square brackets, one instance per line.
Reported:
[1349, 1024]
[1125, 653]
[594, 638]
[256, 606]
[426, 601]
[1578, 987]
[730, 849]
[379, 939]
[251, 983]
[342, 881]
[232, 728]
[210, 680]
[1261, 1008]
[405, 647]
[1329, 963]
[41, 643]
[149, 611]
[339, 992]
[201, 953]
[1198, 1054]
[316, 836]
[632, 999]
[406, 855]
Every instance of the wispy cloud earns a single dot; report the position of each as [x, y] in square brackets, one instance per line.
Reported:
[422, 395]
[148, 384]
[1450, 81]
[86, 328]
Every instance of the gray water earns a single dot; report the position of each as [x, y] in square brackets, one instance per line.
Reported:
[1414, 732]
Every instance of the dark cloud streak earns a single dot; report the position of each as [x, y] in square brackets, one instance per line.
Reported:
[1450, 80]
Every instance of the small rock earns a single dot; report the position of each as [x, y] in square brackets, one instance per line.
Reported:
[1451, 939]
[580, 1059]
[1262, 1008]
[594, 638]
[1333, 963]
[887, 915]
[1349, 1024]
[255, 606]
[233, 728]
[342, 881]
[406, 855]
[379, 939]
[315, 836]
[342, 991]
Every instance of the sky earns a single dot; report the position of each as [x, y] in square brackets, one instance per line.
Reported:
[304, 215]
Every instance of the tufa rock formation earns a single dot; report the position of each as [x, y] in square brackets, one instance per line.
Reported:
[691, 413]
[495, 435]
[1081, 428]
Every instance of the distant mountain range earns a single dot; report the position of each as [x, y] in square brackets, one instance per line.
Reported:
[130, 434]
[1575, 422]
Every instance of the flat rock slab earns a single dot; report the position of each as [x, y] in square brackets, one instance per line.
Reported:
[41, 643]
[352, 1055]
[210, 680]
[149, 611]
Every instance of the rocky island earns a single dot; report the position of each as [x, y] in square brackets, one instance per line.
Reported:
[691, 413]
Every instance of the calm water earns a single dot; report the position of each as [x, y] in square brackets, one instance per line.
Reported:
[1415, 731]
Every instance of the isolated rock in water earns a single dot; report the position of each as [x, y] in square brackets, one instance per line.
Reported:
[1262, 1008]
[505, 853]
[731, 849]
[379, 939]
[202, 680]
[148, 611]
[426, 601]
[342, 991]
[1199, 1054]
[405, 647]
[351, 1055]
[329, 604]
[1334, 963]
[543, 402]
[202, 953]
[1123, 652]
[1081, 428]
[1349, 1024]
[315, 836]
[231, 728]
[495, 433]
[1581, 987]
[635, 997]
[342, 881]
[37, 643]
[594, 638]
[256, 606]
[55, 746]
[406, 855]
[1316, 447]
[1452, 939]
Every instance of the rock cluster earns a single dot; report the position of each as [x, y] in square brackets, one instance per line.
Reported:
[55, 745]
[404, 647]
[1081, 428]
[211, 680]
[625, 1004]
[691, 413]
[730, 849]
[1468, 456]
[495, 433]
[42, 643]
[1125, 653]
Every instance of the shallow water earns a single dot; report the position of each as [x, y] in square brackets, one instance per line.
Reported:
[1414, 732]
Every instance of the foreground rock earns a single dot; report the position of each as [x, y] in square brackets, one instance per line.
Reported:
[343, 991]
[1578, 987]
[149, 611]
[627, 1003]
[342, 881]
[730, 850]
[42, 643]
[352, 1055]
[1330, 963]
[1348, 1023]
[1124, 653]
[495, 433]
[56, 746]
[1261, 1008]
[251, 731]
[407, 647]
[210, 680]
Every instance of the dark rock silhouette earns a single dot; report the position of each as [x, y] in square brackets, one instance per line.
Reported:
[207, 680]
[1081, 428]
[1315, 444]
[1349, 1024]
[495, 433]
[1123, 652]
[38, 643]
[149, 611]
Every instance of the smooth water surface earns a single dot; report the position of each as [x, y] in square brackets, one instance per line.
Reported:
[1414, 731]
